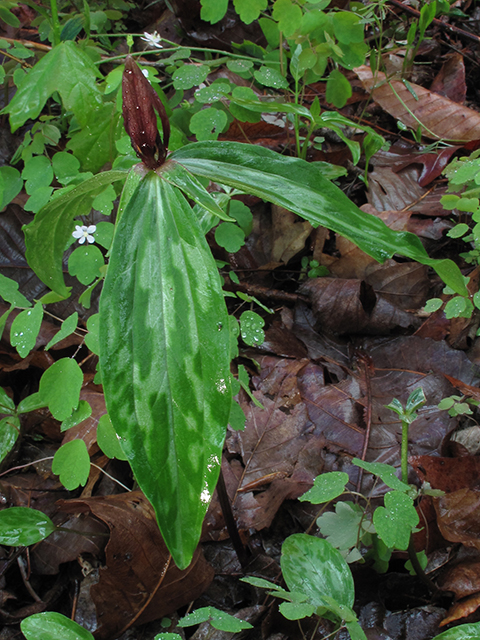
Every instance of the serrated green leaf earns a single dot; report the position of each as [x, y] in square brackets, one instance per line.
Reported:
[47, 236]
[108, 440]
[25, 328]
[213, 10]
[395, 521]
[21, 527]
[312, 566]
[229, 236]
[384, 471]
[10, 293]
[208, 123]
[81, 413]
[189, 75]
[164, 358]
[9, 432]
[68, 327]
[60, 387]
[269, 77]
[53, 626]
[65, 69]
[300, 187]
[72, 463]
[249, 10]
[326, 487]
[85, 263]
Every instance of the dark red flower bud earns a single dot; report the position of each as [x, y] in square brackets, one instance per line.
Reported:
[140, 101]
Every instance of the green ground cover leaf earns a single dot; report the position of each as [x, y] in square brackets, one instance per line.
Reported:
[53, 626]
[164, 358]
[60, 387]
[10, 293]
[84, 263]
[11, 184]
[65, 69]
[81, 413]
[68, 327]
[21, 526]
[384, 471]
[25, 328]
[9, 432]
[326, 487]
[107, 439]
[299, 187]
[6, 403]
[229, 236]
[395, 521]
[213, 10]
[72, 463]
[47, 236]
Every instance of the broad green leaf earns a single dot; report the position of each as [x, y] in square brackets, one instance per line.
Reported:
[384, 471]
[229, 236]
[341, 527]
[296, 610]
[60, 387]
[395, 521]
[38, 199]
[189, 76]
[108, 440]
[104, 201]
[25, 328]
[68, 327]
[348, 27]
[65, 69]
[164, 358]
[94, 145]
[251, 328]
[104, 234]
[37, 173]
[240, 112]
[10, 293]
[178, 176]
[326, 487]
[312, 566]
[249, 10]
[53, 626]
[462, 632]
[31, 403]
[72, 463]
[213, 93]
[213, 10]
[288, 16]
[242, 214]
[81, 413]
[208, 123]
[11, 184]
[85, 262]
[91, 339]
[299, 187]
[6, 403]
[355, 630]
[65, 166]
[47, 236]
[338, 89]
[218, 619]
[21, 527]
[9, 432]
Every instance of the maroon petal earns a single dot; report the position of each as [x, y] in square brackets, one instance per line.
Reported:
[140, 101]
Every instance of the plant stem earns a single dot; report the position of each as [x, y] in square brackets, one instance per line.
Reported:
[242, 553]
[404, 453]
[55, 23]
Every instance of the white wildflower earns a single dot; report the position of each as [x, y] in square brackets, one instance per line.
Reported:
[83, 233]
[153, 39]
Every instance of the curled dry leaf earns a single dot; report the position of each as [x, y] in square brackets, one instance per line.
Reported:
[439, 116]
[461, 609]
[131, 586]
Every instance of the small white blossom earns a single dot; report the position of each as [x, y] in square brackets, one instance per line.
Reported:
[153, 39]
[83, 233]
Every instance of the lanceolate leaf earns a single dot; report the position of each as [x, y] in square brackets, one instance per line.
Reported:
[47, 236]
[164, 358]
[298, 186]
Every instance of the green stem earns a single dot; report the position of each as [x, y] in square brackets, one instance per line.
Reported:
[55, 23]
[404, 453]
[297, 123]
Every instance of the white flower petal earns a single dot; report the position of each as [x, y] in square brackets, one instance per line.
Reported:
[81, 240]
[90, 239]
[91, 229]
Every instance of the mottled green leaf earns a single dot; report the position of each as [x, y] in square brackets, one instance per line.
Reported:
[53, 626]
[312, 566]
[47, 236]
[462, 632]
[72, 463]
[25, 328]
[20, 526]
[300, 187]
[164, 358]
[65, 69]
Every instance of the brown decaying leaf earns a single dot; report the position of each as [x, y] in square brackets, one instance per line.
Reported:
[457, 516]
[447, 474]
[440, 117]
[289, 234]
[461, 609]
[450, 80]
[463, 579]
[131, 583]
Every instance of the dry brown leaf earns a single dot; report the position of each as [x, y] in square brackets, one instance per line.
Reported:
[131, 585]
[440, 117]
[461, 609]
[289, 234]
[463, 579]
[457, 516]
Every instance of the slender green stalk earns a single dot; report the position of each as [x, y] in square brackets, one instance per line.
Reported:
[55, 23]
[404, 452]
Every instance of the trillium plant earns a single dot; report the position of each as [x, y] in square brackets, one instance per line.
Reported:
[164, 345]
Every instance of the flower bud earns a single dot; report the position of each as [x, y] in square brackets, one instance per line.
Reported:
[140, 101]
